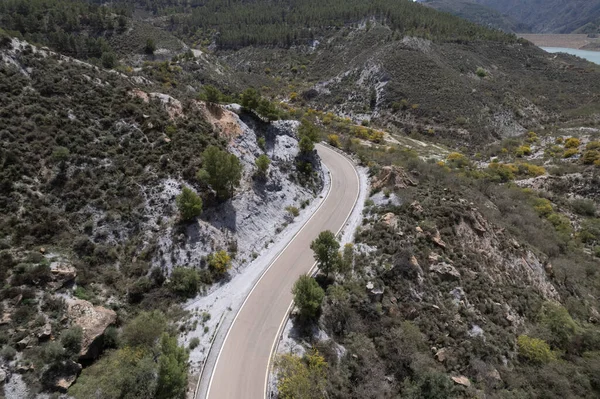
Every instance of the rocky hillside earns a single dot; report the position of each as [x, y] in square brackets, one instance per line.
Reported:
[467, 93]
[93, 162]
[132, 182]
[556, 16]
[457, 286]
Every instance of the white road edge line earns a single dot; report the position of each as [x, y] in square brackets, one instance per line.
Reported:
[258, 281]
[312, 269]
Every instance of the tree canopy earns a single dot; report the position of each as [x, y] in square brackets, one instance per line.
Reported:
[308, 296]
[189, 204]
[326, 251]
[221, 170]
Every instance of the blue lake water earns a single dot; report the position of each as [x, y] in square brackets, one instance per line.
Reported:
[593, 56]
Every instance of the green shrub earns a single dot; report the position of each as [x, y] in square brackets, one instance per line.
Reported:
[593, 145]
[482, 73]
[172, 369]
[144, 330]
[8, 352]
[262, 143]
[542, 206]
[189, 204]
[221, 170]
[326, 252]
[292, 210]
[570, 152]
[211, 94]
[262, 165]
[60, 154]
[184, 281]
[219, 262]
[559, 322]
[301, 378]
[584, 207]
[150, 46]
[334, 140]
[534, 350]
[308, 296]
[590, 231]
[81, 293]
[523, 150]
[71, 340]
[430, 385]
[109, 60]
[572, 142]
[590, 157]
[194, 342]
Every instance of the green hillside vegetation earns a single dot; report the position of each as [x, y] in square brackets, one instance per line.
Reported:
[72, 27]
[235, 24]
[556, 16]
[477, 13]
[424, 325]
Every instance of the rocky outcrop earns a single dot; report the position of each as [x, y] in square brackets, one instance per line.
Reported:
[62, 273]
[446, 271]
[509, 267]
[252, 218]
[392, 177]
[93, 320]
[462, 380]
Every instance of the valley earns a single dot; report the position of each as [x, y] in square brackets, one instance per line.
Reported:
[171, 171]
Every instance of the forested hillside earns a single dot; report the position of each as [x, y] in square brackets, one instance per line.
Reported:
[479, 14]
[240, 23]
[554, 16]
[74, 28]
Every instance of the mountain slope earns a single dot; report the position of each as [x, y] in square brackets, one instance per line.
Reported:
[527, 16]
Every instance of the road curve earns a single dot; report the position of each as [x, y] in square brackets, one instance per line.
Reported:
[241, 367]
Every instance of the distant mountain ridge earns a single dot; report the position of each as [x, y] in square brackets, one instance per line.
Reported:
[533, 16]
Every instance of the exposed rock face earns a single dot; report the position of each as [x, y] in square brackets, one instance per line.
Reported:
[62, 273]
[390, 220]
[392, 177]
[250, 219]
[93, 320]
[446, 271]
[462, 380]
[504, 266]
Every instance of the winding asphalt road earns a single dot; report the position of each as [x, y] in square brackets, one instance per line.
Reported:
[242, 366]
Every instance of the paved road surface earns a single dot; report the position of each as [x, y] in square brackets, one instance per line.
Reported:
[241, 368]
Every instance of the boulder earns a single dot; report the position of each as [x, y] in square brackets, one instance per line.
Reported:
[446, 271]
[24, 343]
[462, 380]
[62, 273]
[391, 220]
[441, 355]
[437, 239]
[45, 333]
[392, 177]
[416, 207]
[93, 320]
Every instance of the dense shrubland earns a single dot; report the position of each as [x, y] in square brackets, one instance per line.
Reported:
[435, 290]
